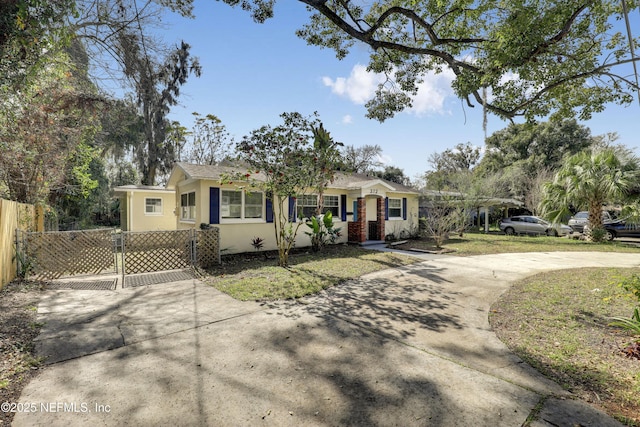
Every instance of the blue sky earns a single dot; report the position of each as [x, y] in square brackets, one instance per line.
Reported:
[254, 72]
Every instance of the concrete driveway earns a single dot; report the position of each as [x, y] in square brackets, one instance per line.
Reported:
[408, 346]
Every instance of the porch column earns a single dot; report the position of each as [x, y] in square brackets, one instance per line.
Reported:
[380, 208]
[362, 219]
[486, 219]
[358, 228]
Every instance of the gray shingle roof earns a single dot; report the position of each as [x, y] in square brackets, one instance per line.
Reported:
[124, 188]
[344, 180]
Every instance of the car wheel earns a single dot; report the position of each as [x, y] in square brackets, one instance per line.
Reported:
[509, 231]
[551, 232]
[609, 235]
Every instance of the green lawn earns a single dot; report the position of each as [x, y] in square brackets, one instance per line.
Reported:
[493, 243]
[560, 326]
[253, 277]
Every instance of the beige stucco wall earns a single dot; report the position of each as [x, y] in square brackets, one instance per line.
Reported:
[134, 218]
[187, 187]
[236, 236]
[404, 228]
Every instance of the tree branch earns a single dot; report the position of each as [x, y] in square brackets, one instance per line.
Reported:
[366, 37]
[435, 40]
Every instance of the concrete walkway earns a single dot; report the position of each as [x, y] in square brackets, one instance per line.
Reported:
[407, 346]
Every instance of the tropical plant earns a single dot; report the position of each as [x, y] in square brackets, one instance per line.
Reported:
[284, 155]
[630, 324]
[590, 179]
[322, 231]
[325, 159]
[257, 243]
[528, 154]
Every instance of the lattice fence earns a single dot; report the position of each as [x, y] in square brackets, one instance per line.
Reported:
[64, 253]
[148, 251]
[207, 247]
[67, 253]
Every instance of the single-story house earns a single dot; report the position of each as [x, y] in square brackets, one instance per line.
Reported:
[146, 208]
[365, 208]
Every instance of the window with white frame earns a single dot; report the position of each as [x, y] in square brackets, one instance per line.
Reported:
[308, 205]
[153, 206]
[231, 204]
[395, 208]
[241, 205]
[332, 203]
[188, 206]
[253, 205]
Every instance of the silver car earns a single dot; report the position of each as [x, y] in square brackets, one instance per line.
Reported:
[526, 224]
[580, 219]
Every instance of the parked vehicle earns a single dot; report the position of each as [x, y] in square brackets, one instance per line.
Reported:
[526, 224]
[580, 219]
[620, 228]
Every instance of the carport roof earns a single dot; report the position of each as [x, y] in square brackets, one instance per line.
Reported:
[434, 196]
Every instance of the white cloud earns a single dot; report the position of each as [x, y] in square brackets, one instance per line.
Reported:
[361, 86]
[432, 93]
[347, 120]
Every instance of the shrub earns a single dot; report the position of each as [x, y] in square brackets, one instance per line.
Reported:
[632, 285]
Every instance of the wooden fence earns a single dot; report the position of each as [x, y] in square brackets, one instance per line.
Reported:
[14, 215]
[55, 254]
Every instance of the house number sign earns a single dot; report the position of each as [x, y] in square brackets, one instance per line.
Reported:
[373, 191]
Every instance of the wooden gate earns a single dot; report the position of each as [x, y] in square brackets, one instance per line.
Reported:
[52, 255]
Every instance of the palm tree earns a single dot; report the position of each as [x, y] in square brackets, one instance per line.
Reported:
[590, 179]
[325, 157]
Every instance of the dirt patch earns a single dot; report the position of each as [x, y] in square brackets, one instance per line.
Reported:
[18, 329]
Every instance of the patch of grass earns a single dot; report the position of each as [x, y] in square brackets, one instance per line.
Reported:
[493, 243]
[559, 322]
[255, 277]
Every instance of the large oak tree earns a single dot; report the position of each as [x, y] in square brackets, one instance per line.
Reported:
[515, 58]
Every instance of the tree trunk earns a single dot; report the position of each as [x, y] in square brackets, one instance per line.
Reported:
[595, 221]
